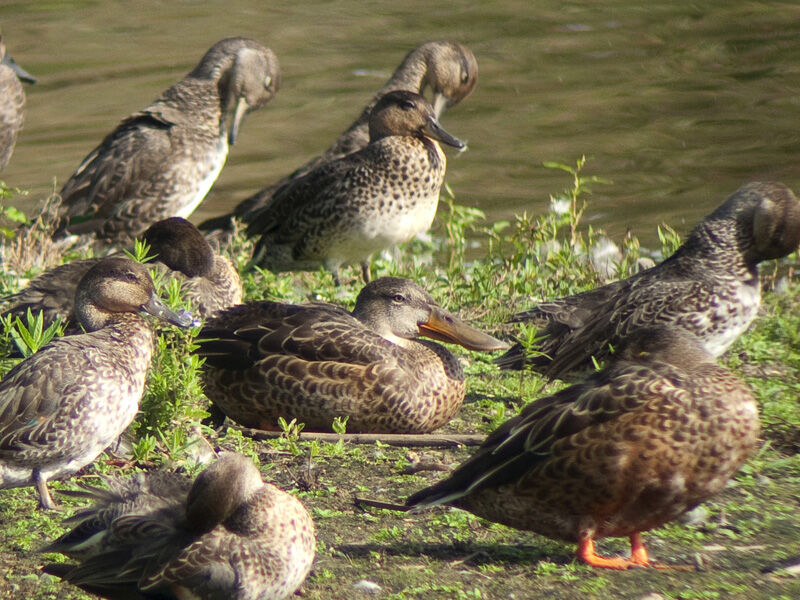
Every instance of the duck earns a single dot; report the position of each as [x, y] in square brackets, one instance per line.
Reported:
[344, 210]
[12, 102]
[209, 281]
[317, 362]
[62, 406]
[448, 68]
[161, 162]
[709, 286]
[657, 432]
[227, 535]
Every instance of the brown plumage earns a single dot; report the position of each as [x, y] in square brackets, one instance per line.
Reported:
[344, 210]
[709, 287]
[160, 162]
[449, 69]
[315, 362]
[659, 431]
[61, 407]
[227, 536]
[208, 280]
[12, 101]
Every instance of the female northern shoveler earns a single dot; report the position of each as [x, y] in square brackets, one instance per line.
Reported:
[161, 162]
[346, 209]
[60, 408]
[315, 362]
[226, 536]
[709, 287]
[661, 430]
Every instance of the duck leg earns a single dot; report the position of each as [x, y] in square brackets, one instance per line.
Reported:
[638, 557]
[586, 554]
[365, 270]
[45, 501]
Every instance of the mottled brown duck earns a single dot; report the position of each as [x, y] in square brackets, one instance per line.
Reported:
[316, 362]
[448, 69]
[659, 431]
[344, 210]
[60, 408]
[160, 162]
[12, 102]
[709, 286]
[209, 282]
[227, 536]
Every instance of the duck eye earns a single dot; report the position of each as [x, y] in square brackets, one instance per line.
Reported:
[267, 81]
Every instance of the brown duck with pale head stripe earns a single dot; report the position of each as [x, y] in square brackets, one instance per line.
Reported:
[345, 210]
[60, 408]
[315, 362]
[448, 69]
[161, 162]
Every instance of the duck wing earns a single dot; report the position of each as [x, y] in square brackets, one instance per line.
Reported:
[111, 176]
[643, 303]
[528, 440]
[311, 333]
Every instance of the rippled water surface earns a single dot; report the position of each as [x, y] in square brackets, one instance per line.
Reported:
[676, 104]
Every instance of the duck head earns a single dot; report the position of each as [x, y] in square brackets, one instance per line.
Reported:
[220, 490]
[21, 73]
[179, 244]
[247, 76]
[406, 113]
[399, 310]
[120, 285]
[451, 73]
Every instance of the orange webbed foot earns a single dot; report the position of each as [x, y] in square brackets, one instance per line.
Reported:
[638, 559]
[587, 554]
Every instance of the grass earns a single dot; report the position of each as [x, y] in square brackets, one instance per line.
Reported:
[740, 540]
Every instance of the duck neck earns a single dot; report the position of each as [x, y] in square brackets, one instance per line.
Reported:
[720, 242]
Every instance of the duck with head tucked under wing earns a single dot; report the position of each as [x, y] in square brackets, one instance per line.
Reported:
[226, 536]
[448, 69]
[660, 430]
[61, 407]
[709, 286]
[161, 162]
[316, 362]
[344, 210]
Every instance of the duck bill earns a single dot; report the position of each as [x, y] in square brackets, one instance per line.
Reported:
[156, 307]
[440, 103]
[238, 116]
[445, 327]
[433, 130]
[22, 74]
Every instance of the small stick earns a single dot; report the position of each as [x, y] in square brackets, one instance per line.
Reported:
[390, 439]
[378, 504]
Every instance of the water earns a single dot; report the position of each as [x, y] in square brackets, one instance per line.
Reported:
[676, 104]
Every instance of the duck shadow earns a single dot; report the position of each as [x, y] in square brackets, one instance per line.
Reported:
[471, 554]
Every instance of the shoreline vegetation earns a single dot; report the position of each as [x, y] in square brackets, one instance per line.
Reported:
[744, 543]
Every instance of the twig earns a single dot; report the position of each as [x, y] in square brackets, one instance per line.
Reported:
[378, 504]
[391, 439]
